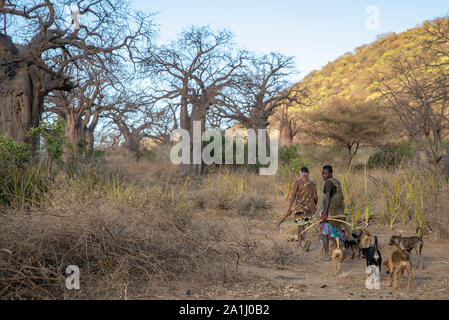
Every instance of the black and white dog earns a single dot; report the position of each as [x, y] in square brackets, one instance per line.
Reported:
[372, 255]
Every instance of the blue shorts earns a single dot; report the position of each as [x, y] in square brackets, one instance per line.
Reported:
[331, 231]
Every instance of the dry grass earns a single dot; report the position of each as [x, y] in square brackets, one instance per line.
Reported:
[131, 226]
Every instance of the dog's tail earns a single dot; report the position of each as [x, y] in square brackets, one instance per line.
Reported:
[419, 231]
[338, 243]
[375, 243]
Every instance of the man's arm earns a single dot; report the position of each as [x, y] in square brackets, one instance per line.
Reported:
[327, 200]
[315, 196]
[293, 197]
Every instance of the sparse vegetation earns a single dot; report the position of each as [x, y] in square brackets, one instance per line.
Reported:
[137, 225]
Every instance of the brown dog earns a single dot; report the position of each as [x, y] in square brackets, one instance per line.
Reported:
[337, 254]
[409, 243]
[396, 264]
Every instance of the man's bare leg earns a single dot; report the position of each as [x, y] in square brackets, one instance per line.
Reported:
[301, 237]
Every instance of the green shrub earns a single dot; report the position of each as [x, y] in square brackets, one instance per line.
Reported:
[12, 153]
[290, 160]
[53, 135]
[390, 155]
[21, 184]
[288, 154]
[148, 154]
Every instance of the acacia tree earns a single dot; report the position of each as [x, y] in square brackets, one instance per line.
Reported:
[192, 72]
[34, 60]
[346, 123]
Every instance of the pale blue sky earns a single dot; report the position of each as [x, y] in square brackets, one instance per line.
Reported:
[315, 32]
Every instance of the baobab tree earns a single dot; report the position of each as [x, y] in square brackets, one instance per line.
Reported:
[258, 90]
[137, 118]
[192, 72]
[36, 49]
[82, 107]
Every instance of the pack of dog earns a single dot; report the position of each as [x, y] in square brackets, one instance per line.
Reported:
[407, 244]
[398, 261]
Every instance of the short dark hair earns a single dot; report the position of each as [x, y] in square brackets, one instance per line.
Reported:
[304, 169]
[328, 168]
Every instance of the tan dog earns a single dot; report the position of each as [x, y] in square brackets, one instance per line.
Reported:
[365, 239]
[397, 263]
[337, 254]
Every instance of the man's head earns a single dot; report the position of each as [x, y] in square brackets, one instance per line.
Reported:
[327, 172]
[303, 171]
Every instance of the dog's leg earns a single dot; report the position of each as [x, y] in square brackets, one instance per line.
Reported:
[400, 278]
[419, 253]
[334, 262]
[395, 278]
[338, 265]
[339, 262]
[391, 277]
[409, 272]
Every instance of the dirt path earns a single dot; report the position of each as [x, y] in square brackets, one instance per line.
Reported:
[313, 278]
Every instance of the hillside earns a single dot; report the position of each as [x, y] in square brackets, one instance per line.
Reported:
[352, 74]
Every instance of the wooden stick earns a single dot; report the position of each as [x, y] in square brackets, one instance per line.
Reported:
[318, 222]
[287, 231]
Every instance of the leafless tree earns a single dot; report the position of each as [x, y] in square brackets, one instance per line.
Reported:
[262, 87]
[437, 43]
[34, 60]
[138, 118]
[192, 72]
[416, 89]
[81, 108]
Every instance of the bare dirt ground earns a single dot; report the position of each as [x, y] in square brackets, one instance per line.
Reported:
[309, 277]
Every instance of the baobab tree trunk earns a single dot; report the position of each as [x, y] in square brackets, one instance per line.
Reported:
[77, 129]
[286, 136]
[198, 114]
[90, 131]
[21, 104]
[132, 142]
[259, 121]
[22, 91]
[20, 98]
[74, 130]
